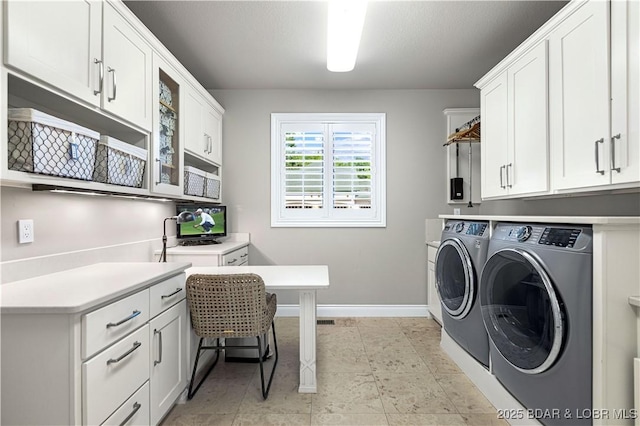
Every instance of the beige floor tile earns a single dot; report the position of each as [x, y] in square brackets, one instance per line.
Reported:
[266, 419]
[421, 335]
[426, 420]
[178, 418]
[349, 419]
[396, 359]
[354, 393]
[478, 419]
[342, 360]
[411, 393]
[341, 321]
[283, 396]
[417, 322]
[377, 322]
[436, 359]
[376, 338]
[464, 395]
[219, 396]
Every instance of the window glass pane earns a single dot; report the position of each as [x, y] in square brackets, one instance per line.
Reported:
[304, 170]
[352, 153]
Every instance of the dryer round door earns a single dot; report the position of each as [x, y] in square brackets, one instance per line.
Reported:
[455, 279]
[521, 310]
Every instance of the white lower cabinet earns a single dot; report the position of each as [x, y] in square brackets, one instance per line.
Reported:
[134, 412]
[433, 299]
[168, 367]
[122, 363]
[112, 376]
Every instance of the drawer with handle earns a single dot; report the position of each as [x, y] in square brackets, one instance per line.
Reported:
[104, 326]
[113, 375]
[166, 294]
[236, 257]
[135, 410]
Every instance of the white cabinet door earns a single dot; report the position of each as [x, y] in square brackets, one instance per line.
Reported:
[195, 140]
[494, 137]
[579, 98]
[168, 365]
[625, 92]
[128, 75]
[57, 42]
[527, 169]
[213, 131]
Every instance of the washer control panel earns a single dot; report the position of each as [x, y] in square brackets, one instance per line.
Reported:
[560, 236]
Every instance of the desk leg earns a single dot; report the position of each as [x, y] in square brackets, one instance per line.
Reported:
[308, 342]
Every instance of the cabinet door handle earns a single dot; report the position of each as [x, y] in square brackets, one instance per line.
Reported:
[510, 165]
[159, 333]
[165, 296]
[115, 84]
[597, 154]
[613, 152]
[501, 184]
[136, 345]
[206, 143]
[210, 145]
[101, 81]
[122, 321]
[136, 407]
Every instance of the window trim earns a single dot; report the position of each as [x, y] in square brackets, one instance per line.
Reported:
[280, 217]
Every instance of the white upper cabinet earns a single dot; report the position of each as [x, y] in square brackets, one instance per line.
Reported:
[494, 139]
[625, 92]
[203, 128]
[127, 70]
[86, 49]
[579, 92]
[514, 128]
[58, 43]
[573, 114]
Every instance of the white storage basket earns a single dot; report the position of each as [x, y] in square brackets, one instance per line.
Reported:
[194, 180]
[41, 143]
[119, 163]
[212, 186]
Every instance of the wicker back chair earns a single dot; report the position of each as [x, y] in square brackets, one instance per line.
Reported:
[228, 306]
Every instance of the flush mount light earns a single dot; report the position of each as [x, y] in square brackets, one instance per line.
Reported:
[346, 19]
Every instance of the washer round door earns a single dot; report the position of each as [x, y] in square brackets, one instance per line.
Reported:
[455, 279]
[521, 310]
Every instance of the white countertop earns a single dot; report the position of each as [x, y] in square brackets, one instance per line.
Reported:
[593, 220]
[435, 244]
[81, 289]
[221, 249]
[276, 277]
[634, 301]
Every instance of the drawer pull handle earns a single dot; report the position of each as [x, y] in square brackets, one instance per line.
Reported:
[159, 333]
[129, 318]
[165, 296]
[244, 255]
[136, 407]
[232, 261]
[136, 345]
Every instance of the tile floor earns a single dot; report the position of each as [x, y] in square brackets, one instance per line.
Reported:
[371, 371]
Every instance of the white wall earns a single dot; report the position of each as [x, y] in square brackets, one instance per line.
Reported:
[76, 230]
[366, 265]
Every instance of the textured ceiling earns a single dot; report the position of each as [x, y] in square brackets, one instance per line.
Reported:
[282, 44]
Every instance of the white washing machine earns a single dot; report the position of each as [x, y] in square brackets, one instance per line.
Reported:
[536, 298]
[459, 261]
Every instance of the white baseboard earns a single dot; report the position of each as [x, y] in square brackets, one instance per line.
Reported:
[359, 311]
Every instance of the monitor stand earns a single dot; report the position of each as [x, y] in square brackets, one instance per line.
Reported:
[198, 242]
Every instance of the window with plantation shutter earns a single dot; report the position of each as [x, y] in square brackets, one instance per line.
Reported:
[328, 170]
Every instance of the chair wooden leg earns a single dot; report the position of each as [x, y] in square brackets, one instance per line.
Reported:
[265, 392]
[192, 391]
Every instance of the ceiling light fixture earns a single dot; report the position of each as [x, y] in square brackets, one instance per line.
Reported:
[346, 19]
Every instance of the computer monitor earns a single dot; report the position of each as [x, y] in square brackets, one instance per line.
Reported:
[209, 223]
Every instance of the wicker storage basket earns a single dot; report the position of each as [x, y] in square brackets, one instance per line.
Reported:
[41, 143]
[212, 186]
[194, 181]
[119, 163]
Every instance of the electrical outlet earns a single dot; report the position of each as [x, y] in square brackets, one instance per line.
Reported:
[25, 231]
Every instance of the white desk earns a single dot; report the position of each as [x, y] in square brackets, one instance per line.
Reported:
[304, 279]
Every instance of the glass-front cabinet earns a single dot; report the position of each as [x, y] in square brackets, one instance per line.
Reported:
[167, 143]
